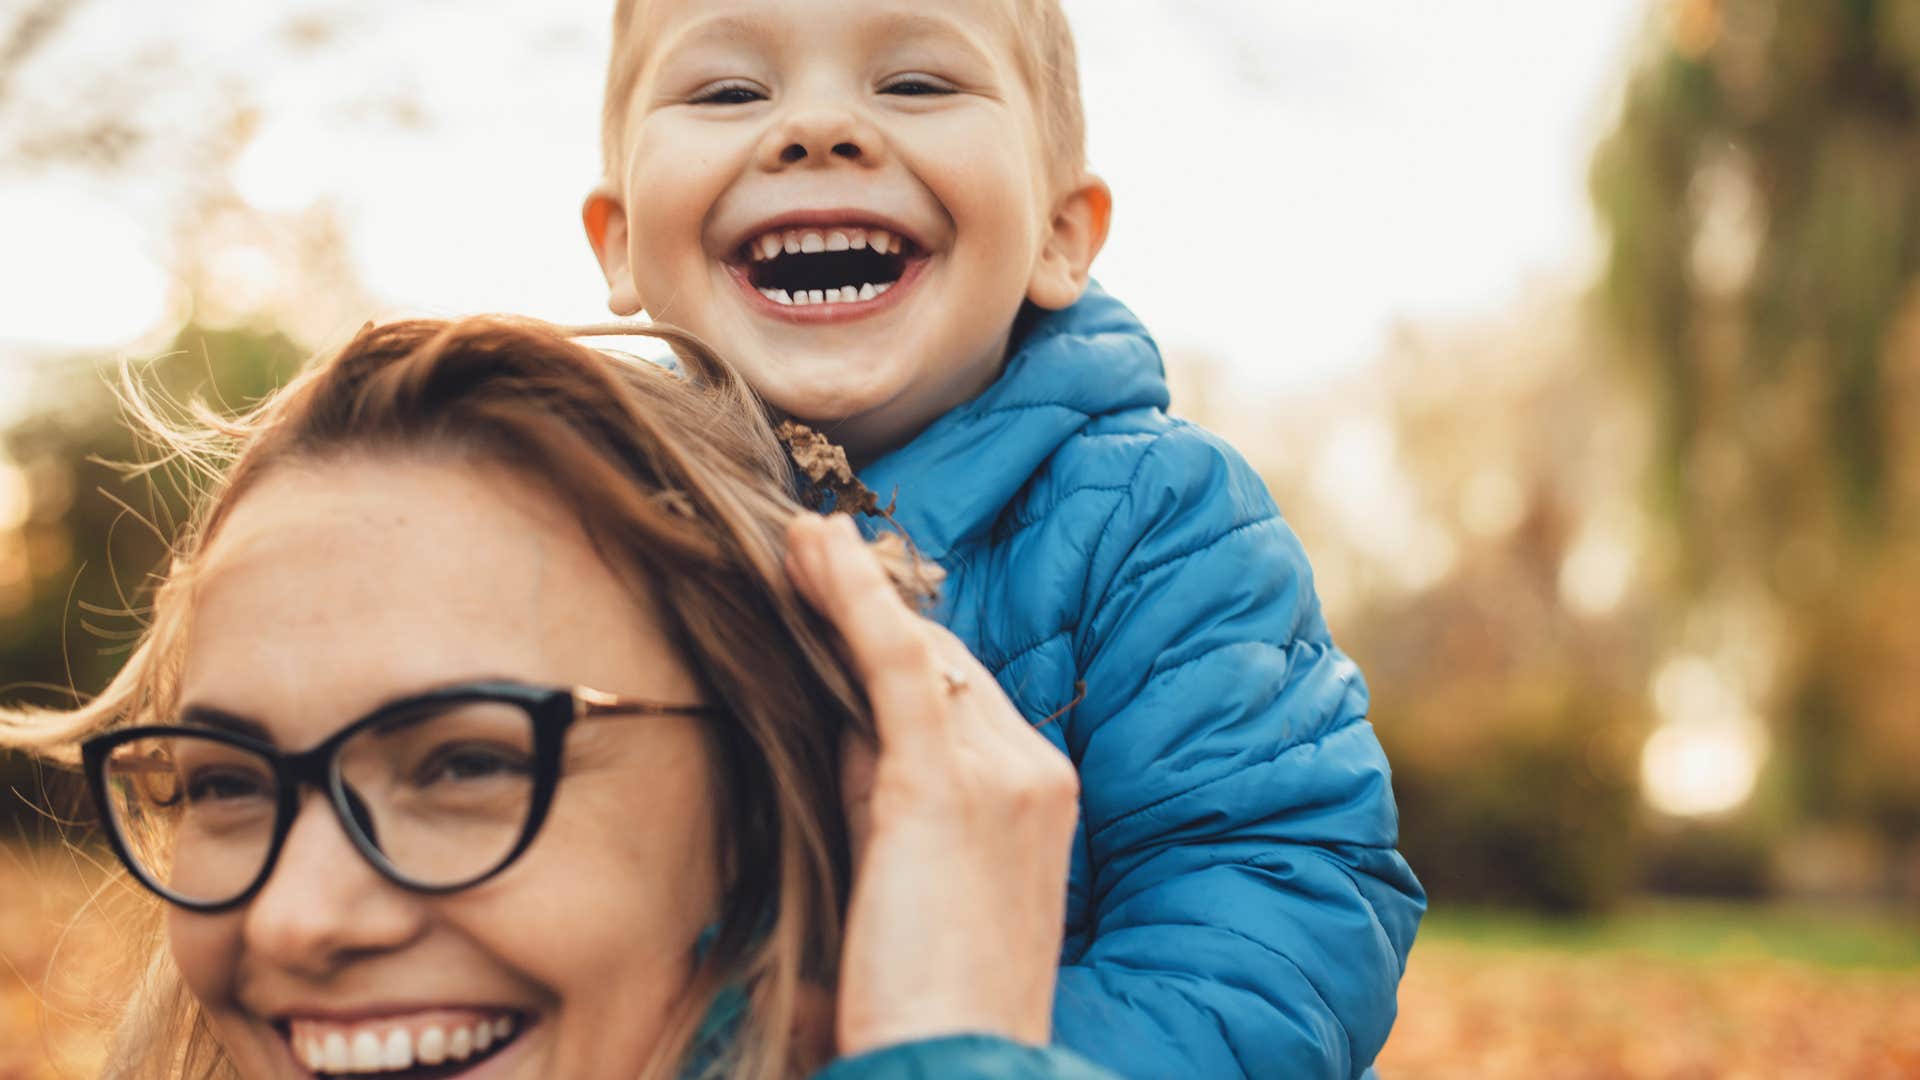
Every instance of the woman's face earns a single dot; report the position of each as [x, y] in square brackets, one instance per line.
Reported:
[337, 586]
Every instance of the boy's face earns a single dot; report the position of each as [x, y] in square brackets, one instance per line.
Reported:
[848, 199]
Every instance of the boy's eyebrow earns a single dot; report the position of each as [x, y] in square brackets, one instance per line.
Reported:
[719, 27]
[916, 24]
[736, 29]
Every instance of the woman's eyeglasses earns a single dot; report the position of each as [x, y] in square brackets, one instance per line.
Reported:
[439, 791]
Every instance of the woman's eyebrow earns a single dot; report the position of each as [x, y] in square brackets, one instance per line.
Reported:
[207, 716]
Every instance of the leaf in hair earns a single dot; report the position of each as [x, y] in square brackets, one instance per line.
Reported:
[825, 465]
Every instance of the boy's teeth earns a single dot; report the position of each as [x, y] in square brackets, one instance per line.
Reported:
[846, 294]
[814, 241]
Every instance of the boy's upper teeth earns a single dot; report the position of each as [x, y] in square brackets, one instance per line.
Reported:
[772, 245]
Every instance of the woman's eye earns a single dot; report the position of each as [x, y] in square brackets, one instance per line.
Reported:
[224, 785]
[471, 763]
[729, 94]
[916, 86]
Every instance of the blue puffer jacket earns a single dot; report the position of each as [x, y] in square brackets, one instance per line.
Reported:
[1236, 904]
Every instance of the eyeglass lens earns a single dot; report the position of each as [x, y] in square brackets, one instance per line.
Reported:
[444, 794]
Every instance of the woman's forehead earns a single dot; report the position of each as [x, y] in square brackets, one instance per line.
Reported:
[347, 583]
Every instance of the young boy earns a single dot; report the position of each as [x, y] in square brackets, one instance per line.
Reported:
[879, 211]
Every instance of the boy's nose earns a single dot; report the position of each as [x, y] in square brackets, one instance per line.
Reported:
[821, 135]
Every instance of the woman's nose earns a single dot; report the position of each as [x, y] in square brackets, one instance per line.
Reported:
[821, 133]
[323, 903]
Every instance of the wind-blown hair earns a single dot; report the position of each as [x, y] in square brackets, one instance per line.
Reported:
[683, 489]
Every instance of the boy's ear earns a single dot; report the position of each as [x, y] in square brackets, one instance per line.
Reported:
[1076, 234]
[606, 222]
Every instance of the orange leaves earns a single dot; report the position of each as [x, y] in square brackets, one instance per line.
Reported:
[1495, 1013]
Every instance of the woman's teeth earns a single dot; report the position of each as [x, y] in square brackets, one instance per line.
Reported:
[386, 1046]
[846, 294]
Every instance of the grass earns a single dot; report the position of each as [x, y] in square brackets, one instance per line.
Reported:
[1699, 932]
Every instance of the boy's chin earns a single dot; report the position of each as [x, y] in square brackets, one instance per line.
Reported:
[830, 388]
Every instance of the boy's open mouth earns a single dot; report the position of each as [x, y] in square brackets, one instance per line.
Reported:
[836, 265]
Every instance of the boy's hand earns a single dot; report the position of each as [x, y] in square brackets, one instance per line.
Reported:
[961, 822]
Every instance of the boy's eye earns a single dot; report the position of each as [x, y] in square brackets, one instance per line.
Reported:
[729, 93]
[915, 86]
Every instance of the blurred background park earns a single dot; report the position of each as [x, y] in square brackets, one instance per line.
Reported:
[1580, 342]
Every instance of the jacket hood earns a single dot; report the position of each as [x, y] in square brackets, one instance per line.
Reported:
[1075, 365]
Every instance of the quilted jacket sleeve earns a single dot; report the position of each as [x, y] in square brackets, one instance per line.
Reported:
[1249, 914]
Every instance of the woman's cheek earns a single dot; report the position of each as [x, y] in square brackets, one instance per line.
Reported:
[209, 952]
[206, 949]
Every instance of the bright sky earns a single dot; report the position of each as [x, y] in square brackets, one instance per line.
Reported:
[1294, 178]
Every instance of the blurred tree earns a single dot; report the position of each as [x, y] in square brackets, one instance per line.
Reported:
[1762, 196]
[1469, 509]
[82, 561]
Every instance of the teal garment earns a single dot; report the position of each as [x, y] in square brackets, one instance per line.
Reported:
[965, 1057]
[716, 1032]
[1237, 905]
[960, 1057]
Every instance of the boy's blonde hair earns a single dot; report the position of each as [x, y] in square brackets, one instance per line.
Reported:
[1047, 57]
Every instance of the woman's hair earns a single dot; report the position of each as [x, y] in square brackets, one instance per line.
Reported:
[682, 487]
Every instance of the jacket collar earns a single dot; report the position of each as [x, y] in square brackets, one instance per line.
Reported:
[954, 479]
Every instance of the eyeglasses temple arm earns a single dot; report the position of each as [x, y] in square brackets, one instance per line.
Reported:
[588, 702]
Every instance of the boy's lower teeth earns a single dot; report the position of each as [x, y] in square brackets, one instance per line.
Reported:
[846, 294]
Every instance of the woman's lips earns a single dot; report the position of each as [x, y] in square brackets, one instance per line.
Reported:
[830, 311]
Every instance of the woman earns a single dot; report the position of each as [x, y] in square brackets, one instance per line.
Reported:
[481, 727]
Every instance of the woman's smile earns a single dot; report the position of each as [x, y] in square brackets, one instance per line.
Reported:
[400, 1040]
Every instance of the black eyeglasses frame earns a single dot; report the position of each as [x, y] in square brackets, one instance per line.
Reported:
[552, 709]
